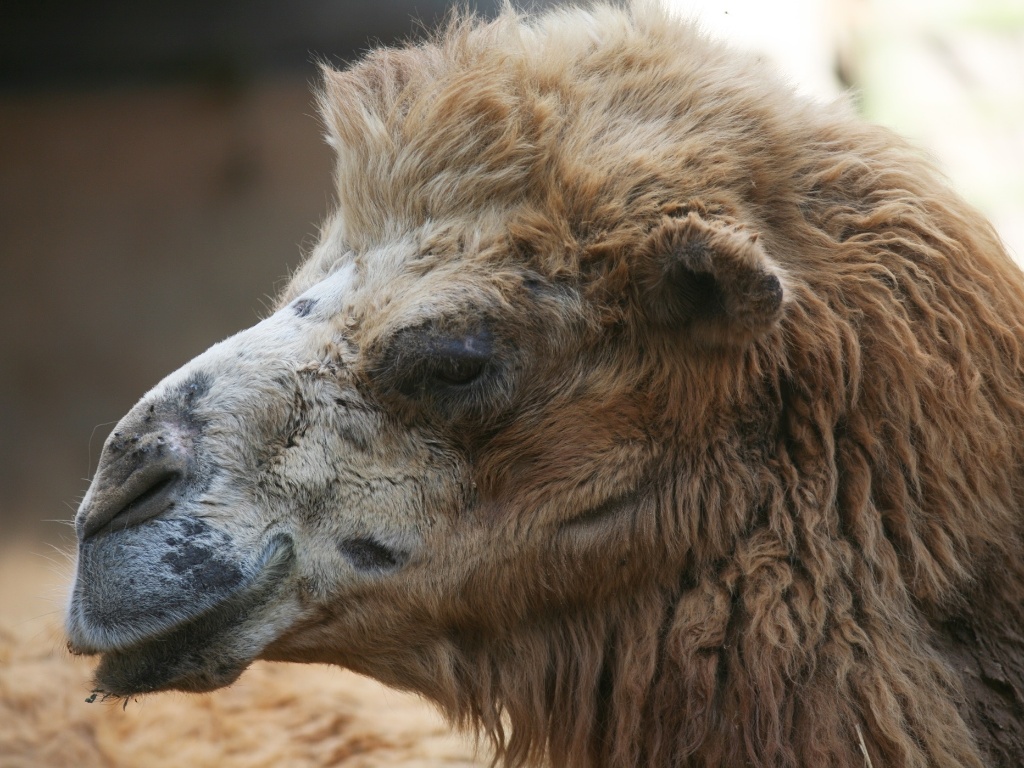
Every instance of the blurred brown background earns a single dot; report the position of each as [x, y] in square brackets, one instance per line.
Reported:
[162, 170]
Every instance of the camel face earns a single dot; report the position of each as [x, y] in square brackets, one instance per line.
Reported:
[314, 476]
[264, 481]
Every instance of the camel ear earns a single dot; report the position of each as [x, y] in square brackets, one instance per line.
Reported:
[710, 278]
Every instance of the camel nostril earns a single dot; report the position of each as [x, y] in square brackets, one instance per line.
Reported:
[149, 503]
[147, 492]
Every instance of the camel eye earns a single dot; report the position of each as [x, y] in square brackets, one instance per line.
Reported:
[429, 360]
[458, 373]
[459, 362]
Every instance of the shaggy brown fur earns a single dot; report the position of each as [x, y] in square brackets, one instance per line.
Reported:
[802, 494]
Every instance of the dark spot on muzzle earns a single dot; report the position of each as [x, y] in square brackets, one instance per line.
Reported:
[180, 403]
[200, 563]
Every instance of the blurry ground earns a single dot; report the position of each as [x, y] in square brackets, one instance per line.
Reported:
[275, 716]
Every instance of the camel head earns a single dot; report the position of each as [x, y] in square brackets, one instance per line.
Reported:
[480, 411]
[431, 438]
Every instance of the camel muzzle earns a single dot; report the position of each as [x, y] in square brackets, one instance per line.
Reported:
[162, 590]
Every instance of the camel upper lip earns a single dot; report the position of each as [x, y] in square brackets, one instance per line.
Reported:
[272, 563]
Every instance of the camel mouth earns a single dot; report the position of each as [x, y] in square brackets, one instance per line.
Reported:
[203, 651]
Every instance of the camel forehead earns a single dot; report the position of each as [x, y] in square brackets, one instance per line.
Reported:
[332, 294]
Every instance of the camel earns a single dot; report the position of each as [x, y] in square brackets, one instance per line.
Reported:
[632, 408]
